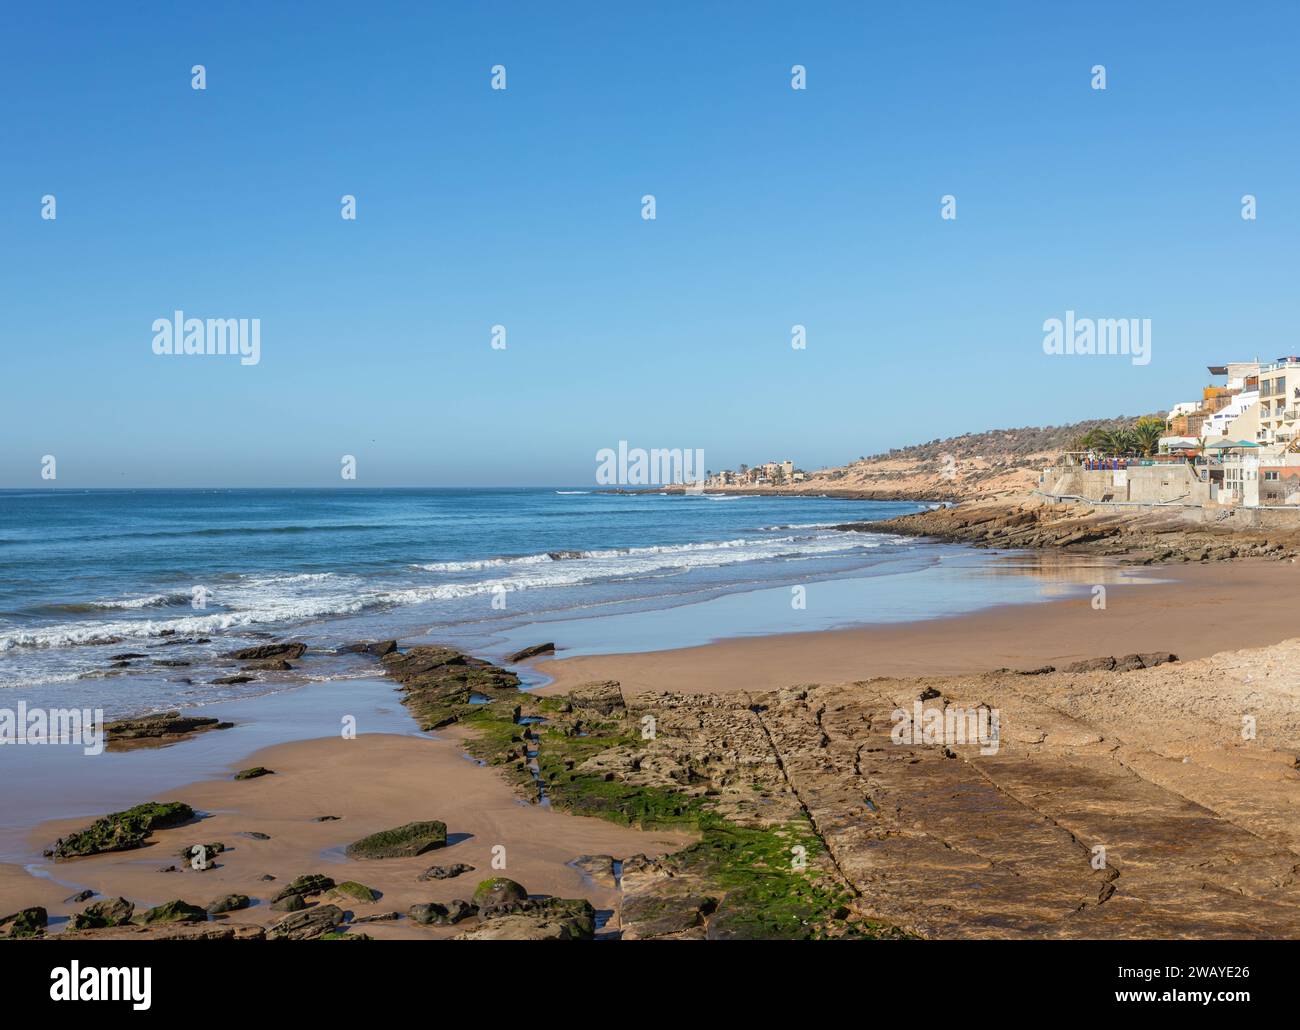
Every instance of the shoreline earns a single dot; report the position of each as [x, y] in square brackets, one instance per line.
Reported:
[392, 774]
[1188, 616]
[370, 783]
[804, 493]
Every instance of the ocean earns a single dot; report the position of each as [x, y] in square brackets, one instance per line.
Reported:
[175, 579]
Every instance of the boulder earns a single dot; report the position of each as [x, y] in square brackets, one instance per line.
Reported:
[307, 924]
[378, 648]
[188, 853]
[378, 917]
[115, 912]
[402, 841]
[175, 912]
[228, 903]
[445, 872]
[26, 922]
[434, 914]
[158, 728]
[254, 772]
[530, 652]
[121, 831]
[311, 883]
[356, 891]
[269, 652]
[498, 894]
[292, 903]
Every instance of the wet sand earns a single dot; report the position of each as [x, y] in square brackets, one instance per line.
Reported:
[384, 779]
[372, 782]
[1201, 610]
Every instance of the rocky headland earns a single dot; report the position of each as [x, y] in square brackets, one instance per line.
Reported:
[1129, 535]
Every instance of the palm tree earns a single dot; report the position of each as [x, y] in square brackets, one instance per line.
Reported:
[1147, 433]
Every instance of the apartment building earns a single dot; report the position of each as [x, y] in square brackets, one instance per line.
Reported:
[1238, 445]
[1279, 396]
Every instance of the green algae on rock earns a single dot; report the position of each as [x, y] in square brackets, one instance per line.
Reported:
[229, 903]
[26, 922]
[402, 841]
[356, 891]
[121, 831]
[309, 883]
[115, 912]
[175, 912]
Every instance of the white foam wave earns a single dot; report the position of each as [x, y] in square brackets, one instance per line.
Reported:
[148, 601]
[290, 599]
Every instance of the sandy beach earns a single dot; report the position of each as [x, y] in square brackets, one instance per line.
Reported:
[1191, 610]
[1112, 724]
[370, 783]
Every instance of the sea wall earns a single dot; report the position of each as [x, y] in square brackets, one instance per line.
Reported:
[1143, 484]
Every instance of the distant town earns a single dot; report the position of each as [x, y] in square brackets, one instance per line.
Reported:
[1236, 446]
[769, 473]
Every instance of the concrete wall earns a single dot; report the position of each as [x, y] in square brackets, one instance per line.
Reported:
[1142, 484]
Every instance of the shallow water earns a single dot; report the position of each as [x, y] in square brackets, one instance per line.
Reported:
[177, 578]
[488, 571]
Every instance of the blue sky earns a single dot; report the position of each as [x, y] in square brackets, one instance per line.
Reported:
[478, 207]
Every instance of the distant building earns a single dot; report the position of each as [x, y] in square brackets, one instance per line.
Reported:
[1239, 445]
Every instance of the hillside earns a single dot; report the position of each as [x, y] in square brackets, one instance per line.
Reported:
[998, 462]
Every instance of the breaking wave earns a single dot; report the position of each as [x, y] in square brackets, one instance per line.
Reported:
[294, 598]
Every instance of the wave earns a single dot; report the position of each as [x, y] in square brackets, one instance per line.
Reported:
[296, 598]
[569, 493]
[150, 601]
[478, 564]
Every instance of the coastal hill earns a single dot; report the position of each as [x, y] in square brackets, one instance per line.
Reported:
[974, 466]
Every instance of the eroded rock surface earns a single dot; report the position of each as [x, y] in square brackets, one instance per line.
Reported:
[1117, 803]
[157, 729]
[440, 683]
[1142, 537]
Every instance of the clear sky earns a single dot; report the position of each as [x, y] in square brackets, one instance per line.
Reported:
[522, 207]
